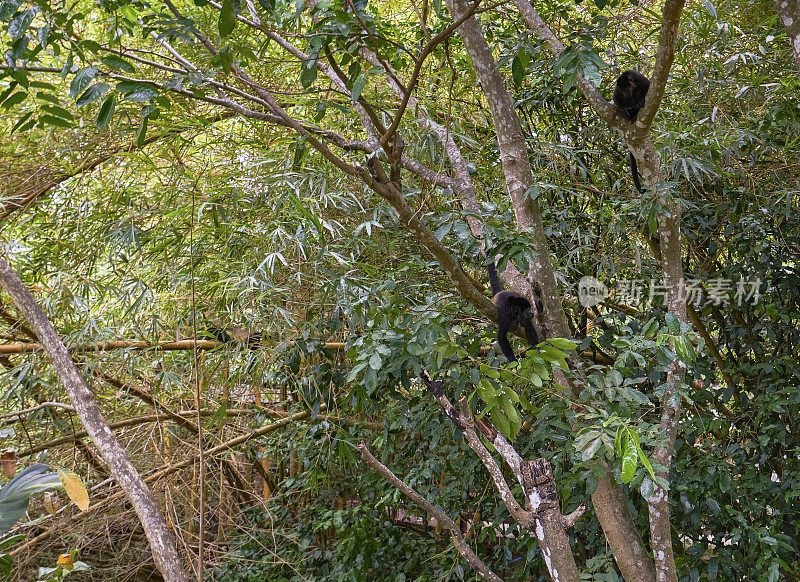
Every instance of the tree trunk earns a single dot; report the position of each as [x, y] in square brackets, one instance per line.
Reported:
[158, 534]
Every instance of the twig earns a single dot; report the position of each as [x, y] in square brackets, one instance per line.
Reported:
[18, 413]
[455, 533]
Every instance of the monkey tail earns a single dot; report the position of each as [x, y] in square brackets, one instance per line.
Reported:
[635, 173]
[494, 278]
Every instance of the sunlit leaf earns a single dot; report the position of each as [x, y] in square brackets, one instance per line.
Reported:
[75, 488]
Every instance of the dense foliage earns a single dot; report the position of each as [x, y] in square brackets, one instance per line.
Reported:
[222, 220]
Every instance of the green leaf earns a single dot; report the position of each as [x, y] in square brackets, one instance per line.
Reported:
[140, 135]
[20, 23]
[630, 459]
[10, 89]
[563, 343]
[14, 496]
[358, 87]
[57, 121]
[106, 112]
[673, 323]
[510, 412]
[15, 99]
[415, 348]
[9, 8]
[92, 94]
[135, 91]
[375, 362]
[43, 34]
[486, 391]
[81, 80]
[22, 120]
[118, 64]
[517, 71]
[643, 457]
[129, 12]
[18, 48]
[308, 73]
[58, 112]
[227, 18]
[500, 421]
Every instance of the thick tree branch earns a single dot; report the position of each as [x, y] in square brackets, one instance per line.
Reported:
[541, 515]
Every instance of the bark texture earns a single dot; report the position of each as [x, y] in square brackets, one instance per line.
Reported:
[162, 543]
[514, 158]
[789, 12]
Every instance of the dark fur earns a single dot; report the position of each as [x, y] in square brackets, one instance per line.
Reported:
[629, 97]
[513, 310]
[251, 339]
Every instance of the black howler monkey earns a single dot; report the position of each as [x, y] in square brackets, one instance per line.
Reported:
[512, 310]
[629, 97]
[250, 338]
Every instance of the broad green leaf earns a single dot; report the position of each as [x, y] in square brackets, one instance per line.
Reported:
[227, 18]
[415, 349]
[563, 343]
[630, 459]
[92, 94]
[135, 91]
[375, 361]
[500, 421]
[673, 323]
[58, 112]
[358, 87]
[129, 12]
[14, 496]
[510, 412]
[308, 73]
[53, 120]
[106, 112]
[81, 80]
[118, 64]
[15, 99]
[20, 23]
[43, 34]
[486, 391]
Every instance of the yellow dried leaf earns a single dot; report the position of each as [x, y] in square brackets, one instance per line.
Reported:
[75, 488]
[65, 561]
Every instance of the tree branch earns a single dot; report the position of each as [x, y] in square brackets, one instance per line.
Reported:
[455, 533]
